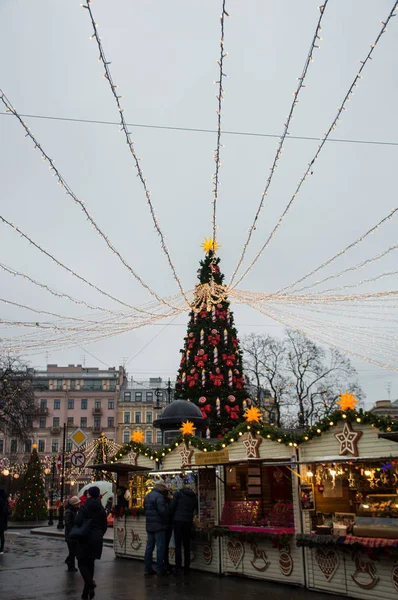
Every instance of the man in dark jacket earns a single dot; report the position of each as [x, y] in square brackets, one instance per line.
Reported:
[4, 514]
[183, 507]
[90, 546]
[156, 522]
[70, 513]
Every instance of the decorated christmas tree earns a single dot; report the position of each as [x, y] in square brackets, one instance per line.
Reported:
[104, 449]
[31, 504]
[210, 373]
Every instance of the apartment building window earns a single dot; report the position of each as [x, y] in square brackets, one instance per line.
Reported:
[41, 446]
[43, 404]
[111, 404]
[126, 437]
[112, 385]
[83, 421]
[137, 417]
[149, 396]
[57, 404]
[159, 437]
[28, 446]
[126, 417]
[97, 422]
[72, 384]
[68, 445]
[42, 422]
[148, 437]
[149, 417]
[127, 396]
[54, 446]
[59, 384]
[138, 396]
[69, 421]
[97, 404]
[71, 404]
[14, 446]
[1, 446]
[111, 422]
[56, 422]
[83, 404]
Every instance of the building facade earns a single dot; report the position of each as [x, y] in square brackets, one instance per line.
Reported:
[75, 396]
[139, 406]
[386, 408]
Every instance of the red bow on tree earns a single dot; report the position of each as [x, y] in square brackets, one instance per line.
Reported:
[235, 341]
[214, 339]
[203, 314]
[221, 314]
[229, 359]
[205, 410]
[190, 343]
[233, 411]
[238, 381]
[201, 360]
[192, 379]
[217, 379]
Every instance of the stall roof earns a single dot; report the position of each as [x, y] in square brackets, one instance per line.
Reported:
[118, 468]
[392, 436]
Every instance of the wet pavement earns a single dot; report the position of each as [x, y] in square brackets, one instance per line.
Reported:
[32, 568]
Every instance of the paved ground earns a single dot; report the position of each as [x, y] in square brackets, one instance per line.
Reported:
[32, 568]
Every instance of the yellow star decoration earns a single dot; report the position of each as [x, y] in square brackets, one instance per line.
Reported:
[34, 446]
[137, 436]
[252, 414]
[209, 244]
[187, 428]
[347, 401]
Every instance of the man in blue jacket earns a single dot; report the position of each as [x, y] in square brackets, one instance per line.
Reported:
[156, 514]
[183, 507]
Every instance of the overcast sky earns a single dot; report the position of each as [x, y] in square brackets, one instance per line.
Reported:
[164, 60]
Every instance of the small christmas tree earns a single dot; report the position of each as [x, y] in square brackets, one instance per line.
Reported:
[210, 373]
[103, 451]
[31, 504]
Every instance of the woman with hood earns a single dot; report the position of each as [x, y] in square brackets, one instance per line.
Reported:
[4, 514]
[89, 547]
[70, 514]
[182, 507]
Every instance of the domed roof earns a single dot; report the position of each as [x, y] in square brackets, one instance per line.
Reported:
[179, 411]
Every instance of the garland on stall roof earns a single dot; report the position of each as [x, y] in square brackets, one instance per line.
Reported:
[267, 431]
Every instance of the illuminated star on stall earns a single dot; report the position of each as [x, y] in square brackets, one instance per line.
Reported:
[252, 415]
[210, 245]
[186, 456]
[251, 443]
[347, 401]
[187, 428]
[348, 439]
[137, 436]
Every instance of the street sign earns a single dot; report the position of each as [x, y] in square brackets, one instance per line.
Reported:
[78, 437]
[78, 459]
[59, 462]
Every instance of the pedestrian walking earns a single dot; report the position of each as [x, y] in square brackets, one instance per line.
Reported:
[156, 522]
[4, 514]
[183, 507]
[169, 530]
[71, 509]
[89, 547]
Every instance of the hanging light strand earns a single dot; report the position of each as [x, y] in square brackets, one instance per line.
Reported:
[332, 127]
[220, 98]
[130, 144]
[314, 45]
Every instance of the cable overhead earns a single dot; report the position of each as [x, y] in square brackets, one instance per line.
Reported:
[333, 126]
[69, 192]
[130, 143]
[314, 45]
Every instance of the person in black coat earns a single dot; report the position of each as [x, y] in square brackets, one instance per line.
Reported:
[90, 546]
[183, 507]
[70, 514]
[4, 514]
[156, 514]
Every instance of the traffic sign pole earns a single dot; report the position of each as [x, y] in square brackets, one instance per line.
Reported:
[61, 506]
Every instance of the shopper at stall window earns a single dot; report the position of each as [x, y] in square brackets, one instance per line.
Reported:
[89, 547]
[4, 514]
[70, 514]
[155, 508]
[183, 507]
[169, 530]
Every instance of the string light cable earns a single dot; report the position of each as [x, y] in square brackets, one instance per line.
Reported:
[332, 127]
[69, 192]
[130, 143]
[314, 45]
[359, 283]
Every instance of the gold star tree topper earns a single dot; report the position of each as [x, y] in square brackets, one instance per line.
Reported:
[210, 245]
[137, 436]
[187, 428]
[252, 414]
[347, 401]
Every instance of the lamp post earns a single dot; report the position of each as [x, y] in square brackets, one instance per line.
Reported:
[169, 391]
[61, 505]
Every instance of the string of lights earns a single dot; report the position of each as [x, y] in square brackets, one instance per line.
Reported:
[130, 144]
[314, 45]
[343, 251]
[332, 127]
[220, 98]
[69, 192]
[341, 273]
[359, 283]
[44, 312]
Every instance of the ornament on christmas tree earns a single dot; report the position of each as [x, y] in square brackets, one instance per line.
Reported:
[138, 436]
[347, 401]
[187, 428]
[252, 414]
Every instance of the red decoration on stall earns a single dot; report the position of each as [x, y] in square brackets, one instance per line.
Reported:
[348, 439]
